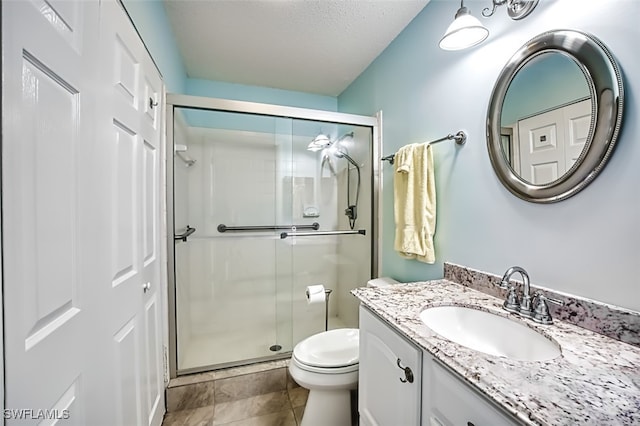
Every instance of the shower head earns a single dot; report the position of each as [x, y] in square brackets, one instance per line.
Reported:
[319, 142]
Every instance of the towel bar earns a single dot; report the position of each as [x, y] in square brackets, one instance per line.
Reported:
[459, 137]
[225, 228]
[313, 234]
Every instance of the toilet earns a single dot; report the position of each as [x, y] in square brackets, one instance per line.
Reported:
[327, 364]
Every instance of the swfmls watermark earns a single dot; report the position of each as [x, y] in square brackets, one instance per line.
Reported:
[35, 414]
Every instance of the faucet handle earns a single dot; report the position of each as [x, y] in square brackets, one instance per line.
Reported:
[541, 310]
[511, 303]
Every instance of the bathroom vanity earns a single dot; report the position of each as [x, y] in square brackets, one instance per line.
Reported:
[409, 375]
[401, 383]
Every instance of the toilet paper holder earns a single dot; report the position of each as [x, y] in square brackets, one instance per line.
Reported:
[327, 292]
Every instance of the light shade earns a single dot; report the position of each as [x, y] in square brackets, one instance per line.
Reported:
[465, 31]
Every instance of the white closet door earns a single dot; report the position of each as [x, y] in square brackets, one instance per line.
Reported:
[132, 136]
[577, 120]
[81, 197]
[542, 155]
[49, 248]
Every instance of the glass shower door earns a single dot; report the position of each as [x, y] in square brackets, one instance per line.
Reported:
[232, 295]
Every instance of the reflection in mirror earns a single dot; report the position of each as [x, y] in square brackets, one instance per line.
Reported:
[554, 115]
[546, 118]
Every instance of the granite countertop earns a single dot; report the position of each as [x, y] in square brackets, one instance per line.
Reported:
[596, 380]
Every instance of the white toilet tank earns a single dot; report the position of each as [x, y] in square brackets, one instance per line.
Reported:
[381, 282]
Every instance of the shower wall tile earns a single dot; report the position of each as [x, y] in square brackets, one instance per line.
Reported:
[190, 396]
[249, 385]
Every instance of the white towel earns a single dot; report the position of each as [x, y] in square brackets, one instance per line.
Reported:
[414, 202]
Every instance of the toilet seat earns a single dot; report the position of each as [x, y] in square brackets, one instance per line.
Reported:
[333, 351]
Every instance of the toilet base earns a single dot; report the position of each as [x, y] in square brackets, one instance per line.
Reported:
[327, 407]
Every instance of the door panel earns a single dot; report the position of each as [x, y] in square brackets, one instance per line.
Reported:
[542, 147]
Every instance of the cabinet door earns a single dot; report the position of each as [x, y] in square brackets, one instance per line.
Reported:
[386, 395]
[448, 401]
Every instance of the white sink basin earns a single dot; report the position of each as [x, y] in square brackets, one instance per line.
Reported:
[489, 333]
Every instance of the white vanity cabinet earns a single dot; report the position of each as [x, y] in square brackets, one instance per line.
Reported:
[389, 394]
[430, 395]
[448, 401]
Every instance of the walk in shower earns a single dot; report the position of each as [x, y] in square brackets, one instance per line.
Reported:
[264, 201]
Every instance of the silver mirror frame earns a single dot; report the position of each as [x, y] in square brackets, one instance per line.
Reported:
[607, 94]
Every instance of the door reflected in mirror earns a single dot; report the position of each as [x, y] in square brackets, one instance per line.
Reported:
[546, 118]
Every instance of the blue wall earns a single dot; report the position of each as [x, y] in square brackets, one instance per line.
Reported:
[588, 245]
[551, 79]
[150, 19]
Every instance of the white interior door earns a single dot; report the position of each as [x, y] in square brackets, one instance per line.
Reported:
[541, 139]
[551, 142]
[132, 136]
[577, 119]
[80, 172]
[49, 55]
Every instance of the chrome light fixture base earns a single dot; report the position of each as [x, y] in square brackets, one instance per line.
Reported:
[516, 9]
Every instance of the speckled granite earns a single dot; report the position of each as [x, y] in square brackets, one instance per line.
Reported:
[596, 380]
[612, 321]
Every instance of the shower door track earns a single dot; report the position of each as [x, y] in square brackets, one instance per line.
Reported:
[226, 105]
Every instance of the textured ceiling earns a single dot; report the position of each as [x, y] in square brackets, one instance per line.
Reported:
[314, 46]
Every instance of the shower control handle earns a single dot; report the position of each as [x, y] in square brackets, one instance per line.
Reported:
[408, 374]
[351, 212]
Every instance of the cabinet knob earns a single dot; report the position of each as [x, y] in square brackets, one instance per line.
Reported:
[408, 374]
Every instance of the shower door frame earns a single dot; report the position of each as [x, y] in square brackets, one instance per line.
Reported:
[226, 105]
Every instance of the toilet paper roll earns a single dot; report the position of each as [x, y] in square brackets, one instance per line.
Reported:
[315, 294]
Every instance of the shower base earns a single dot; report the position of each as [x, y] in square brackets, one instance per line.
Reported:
[216, 350]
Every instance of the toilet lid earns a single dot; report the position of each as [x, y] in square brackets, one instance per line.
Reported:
[333, 348]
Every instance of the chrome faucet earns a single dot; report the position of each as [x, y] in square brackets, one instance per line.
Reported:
[537, 310]
[512, 303]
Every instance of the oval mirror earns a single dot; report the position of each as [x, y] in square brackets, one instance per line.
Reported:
[554, 116]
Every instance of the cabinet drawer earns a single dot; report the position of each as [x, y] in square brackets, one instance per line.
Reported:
[449, 401]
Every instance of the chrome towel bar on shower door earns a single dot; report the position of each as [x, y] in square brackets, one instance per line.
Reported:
[225, 228]
[313, 234]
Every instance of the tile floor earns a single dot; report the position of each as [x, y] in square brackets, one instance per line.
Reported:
[261, 394]
[255, 395]
[281, 408]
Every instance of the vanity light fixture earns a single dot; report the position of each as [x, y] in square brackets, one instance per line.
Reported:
[517, 9]
[465, 31]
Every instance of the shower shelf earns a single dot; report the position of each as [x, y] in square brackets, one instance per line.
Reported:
[225, 228]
